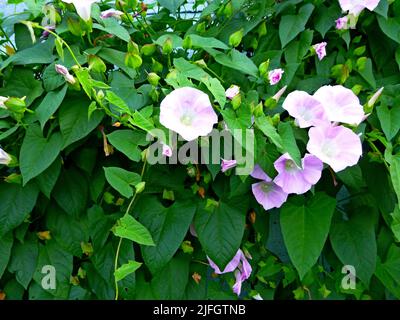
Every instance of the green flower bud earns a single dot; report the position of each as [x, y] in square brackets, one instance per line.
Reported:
[276, 119]
[16, 105]
[201, 27]
[167, 46]
[201, 63]
[262, 29]
[149, 49]
[153, 79]
[236, 38]
[133, 60]
[96, 64]
[187, 247]
[270, 103]
[228, 10]
[156, 66]
[154, 95]
[236, 101]
[133, 48]
[258, 110]
[187, 43]
[140, 187]
[263, 68]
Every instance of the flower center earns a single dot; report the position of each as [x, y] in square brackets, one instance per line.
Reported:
[329, 149]
[186, 120]
[266, 187]
[290, 165]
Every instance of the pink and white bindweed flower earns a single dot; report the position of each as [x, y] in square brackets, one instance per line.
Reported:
[239, 265]
[232, 92]
[228, 164]
[274, 76]
[293, 179]
[267, 192]
[60, 69]
[307, 110]
[5, 158]
[2, 100]
[83, 7]
[340, 104]
[337, 146]
[341, 23]
[356, 6]
[320, 49]
[188, 111]
[111, 13]
[166, 150]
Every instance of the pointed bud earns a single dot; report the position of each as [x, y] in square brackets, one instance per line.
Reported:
[14, 178]
[140, 187]
[201, 63]
[258, 110]
[263, 68]
[96, 64]
[133, 60]
[153, 79]
[262, 29]
[228, 10]
[133, 48]
[149, 49]
[236, 101]
[187, 43]
[236, 38]
[279, 94]
[375, 98]
[167, 46]
[156, 67]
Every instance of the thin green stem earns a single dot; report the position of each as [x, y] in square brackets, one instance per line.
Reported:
[8, 38]
[120, 239]
[63, 41]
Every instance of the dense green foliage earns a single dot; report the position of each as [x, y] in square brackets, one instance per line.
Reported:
[79, 194]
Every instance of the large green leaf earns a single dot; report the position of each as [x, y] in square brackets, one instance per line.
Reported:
[6, 243]
[16, 203]
[168, 226]
[71, 192]
[388, 272]
[220, 229]
[122, 180]
[206, 42]
[354, 242]
[116, 58]
[23, 261]
[289, 142]
[49, 105]
[74, 122]
[126, 269]
[48, 178]
[112, 26]
[291, 25]
[305, 228]
[170, 283]
[21, 84]
[171, 5]
[128, 142]
[129, 228]
[390, 120]
[37, 152]
[395, 174]
[53, 255]
[390, 27]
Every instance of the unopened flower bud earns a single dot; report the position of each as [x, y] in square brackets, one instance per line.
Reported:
[153, 79]
[236, 38]
[149, 49]
[167, 46]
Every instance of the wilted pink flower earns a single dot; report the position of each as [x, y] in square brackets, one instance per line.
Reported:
[111, 13]
[320, 49]
[238, 263]
[341, 23]
[83, 7]
[356, 6]
[337, 146]
[293, 179]
[340, 104]
[228, 164]
[2, 100]
[46, 32]
[192, 230]
[166, 150]
[65, 73]
[275, 76]
[267, 192]
[188, 111]
[232, 92]
[5, 158]
[307, 110]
